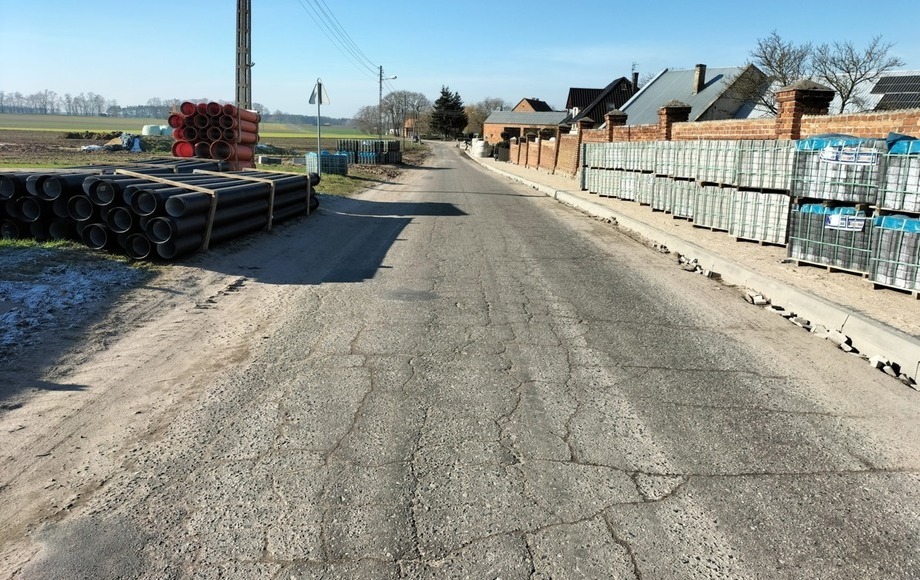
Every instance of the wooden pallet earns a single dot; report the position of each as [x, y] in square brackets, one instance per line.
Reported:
[830, 268]
[877, 285]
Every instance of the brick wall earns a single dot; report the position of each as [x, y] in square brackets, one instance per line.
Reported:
[533, 154]
[634, 133]
[727, 129]
[548, 156]
[567, 160]
[594, 136]
[865, 124]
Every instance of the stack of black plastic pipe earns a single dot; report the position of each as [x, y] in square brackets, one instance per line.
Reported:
[150, 212]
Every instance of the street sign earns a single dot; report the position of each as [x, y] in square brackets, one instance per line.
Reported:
[319, 96]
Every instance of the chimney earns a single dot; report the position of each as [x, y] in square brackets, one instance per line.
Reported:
[635, 80]
[699, 78]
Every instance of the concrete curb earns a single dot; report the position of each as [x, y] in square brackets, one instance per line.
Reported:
[869, 336]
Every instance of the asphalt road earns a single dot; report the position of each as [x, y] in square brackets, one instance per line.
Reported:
[456, 377]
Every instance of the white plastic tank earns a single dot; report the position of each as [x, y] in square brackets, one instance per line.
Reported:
[479, 148]
[150, 130]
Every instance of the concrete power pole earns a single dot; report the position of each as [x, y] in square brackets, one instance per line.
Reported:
[244, 54]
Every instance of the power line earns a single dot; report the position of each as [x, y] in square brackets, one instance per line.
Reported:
[355, 56]
[338, 25]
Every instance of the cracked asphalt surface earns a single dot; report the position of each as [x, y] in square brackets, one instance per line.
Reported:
[457, 377]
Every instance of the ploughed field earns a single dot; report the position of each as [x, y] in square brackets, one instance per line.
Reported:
[30, 148]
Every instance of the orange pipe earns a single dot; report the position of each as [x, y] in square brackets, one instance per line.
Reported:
[244, 114]
[183, 149]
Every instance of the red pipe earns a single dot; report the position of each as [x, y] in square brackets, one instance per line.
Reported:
[223, 151]
[183, 149]
[188, 108]
[215, 133]
[214, 109]
[202, 108]
[230, 122]
[178, 134]
[247, 137]
[175, 120]
[203, 150]
[201, 121]
[189, 133]
[244, 114]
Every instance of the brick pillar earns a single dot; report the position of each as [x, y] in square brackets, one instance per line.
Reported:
[672, 112]
[615, 118]
[582, 125]
[539, 149]
[797, 100]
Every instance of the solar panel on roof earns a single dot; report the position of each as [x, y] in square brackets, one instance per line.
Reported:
[895, 101]
[897, 84]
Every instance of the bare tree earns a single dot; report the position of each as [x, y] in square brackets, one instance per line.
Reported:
[783, 62]
[366, 120]
[477, 113]
[399, 106]
[843, 67]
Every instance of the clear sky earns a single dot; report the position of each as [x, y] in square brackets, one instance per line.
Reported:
[131, 51]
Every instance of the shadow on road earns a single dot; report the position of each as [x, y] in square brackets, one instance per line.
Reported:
[344, 242]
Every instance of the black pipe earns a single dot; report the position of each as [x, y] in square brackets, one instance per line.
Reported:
[29, 208]
[12, 229]
[61, 229]
[147, 201]
[164, 228]
[119, 219]
[186, 244]
[34, 183]
[38, 230]
[13, 184]
[54, 186]
[198, 180]
[59, 207]
[137, 246]
[95, 236]
[81, 208]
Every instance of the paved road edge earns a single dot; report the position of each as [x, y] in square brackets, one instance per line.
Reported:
[870, 337]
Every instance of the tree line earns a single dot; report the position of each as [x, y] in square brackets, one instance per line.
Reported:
[48, 102]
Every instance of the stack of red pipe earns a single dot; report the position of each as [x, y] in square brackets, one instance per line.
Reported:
[215, 131]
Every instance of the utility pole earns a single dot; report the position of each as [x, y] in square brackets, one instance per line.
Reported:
[244, 54]
[380, 103]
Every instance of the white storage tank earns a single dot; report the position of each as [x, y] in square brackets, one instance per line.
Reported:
[479, 148]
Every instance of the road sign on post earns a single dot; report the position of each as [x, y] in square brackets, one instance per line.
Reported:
[319, 97]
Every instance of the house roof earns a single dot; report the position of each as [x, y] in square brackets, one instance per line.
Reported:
[670, 85]
[526, 118]
[611, 97]
[536, 104]
[581, 98]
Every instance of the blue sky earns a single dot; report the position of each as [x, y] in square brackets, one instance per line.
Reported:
[131, 51]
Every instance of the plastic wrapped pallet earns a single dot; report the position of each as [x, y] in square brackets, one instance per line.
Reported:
[627, 185]
[838, 237]
[713, 207]
[717, 161]
[900, 189]
[760, 216]
[645, 188]
[683, 198]
[662, 194]
[766, 164]
[842, 169]
[896, 252]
